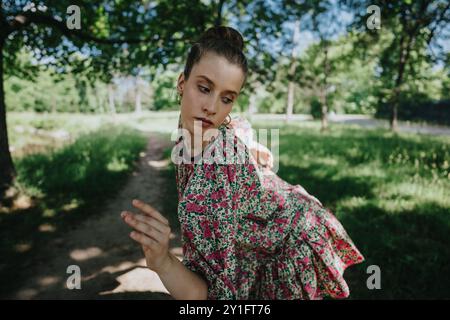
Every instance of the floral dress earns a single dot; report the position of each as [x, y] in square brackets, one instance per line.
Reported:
[252, 235]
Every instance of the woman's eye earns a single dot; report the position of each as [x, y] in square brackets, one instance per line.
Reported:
[203, 89]
[227, 101]
[206, 90]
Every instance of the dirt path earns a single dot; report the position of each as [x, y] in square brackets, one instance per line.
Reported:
[111, 264]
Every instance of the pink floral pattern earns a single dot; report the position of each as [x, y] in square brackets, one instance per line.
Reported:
[255, 236]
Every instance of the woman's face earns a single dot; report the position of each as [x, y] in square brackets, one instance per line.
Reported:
[210, 92]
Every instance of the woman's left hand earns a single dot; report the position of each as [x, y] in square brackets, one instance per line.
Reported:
[262, 155]
[152, 231]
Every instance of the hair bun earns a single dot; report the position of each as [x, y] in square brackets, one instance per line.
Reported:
[228, 34]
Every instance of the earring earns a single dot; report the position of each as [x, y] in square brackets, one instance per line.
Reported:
[225, 124]
[179, 95]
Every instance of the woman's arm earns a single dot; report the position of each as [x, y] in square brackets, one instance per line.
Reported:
[152, 231]
[182, 283]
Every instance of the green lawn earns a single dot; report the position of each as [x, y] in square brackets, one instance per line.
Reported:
[392, 194]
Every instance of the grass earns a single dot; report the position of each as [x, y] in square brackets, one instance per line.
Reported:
[31, 132]
[392, 194]
[64, 184]
[87, 168]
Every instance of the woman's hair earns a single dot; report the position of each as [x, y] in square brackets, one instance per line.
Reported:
[224, 41]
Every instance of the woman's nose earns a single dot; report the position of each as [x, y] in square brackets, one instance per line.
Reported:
[210, 107]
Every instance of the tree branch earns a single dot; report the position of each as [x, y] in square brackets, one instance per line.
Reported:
[3, 24]
[218, 21]
[24, 19]
[438, 21]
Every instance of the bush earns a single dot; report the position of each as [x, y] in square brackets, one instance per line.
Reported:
[316, 108]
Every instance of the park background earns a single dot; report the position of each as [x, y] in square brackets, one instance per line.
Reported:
[362, 103]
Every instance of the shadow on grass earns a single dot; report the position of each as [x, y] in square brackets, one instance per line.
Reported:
[66, 185]
[411, 247]
[326, 187]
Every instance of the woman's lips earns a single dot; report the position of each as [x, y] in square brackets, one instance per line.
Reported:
[205, 123]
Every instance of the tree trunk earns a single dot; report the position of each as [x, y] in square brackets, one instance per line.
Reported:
[252, 108]
[290, 101]
[291, 85]
[404, 57]
[218, 21]
[138, 103]
[394, 109]
[7, 171]
[393, 123]
[101, 101]
[396, 90]
[112, 107]
[324, 113]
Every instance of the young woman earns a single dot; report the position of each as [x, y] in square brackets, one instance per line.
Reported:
[247, 234]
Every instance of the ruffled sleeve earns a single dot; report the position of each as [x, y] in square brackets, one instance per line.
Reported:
[208, 223]
[217, 284]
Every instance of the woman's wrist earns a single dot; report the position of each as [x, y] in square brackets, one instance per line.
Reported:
[166, 266]
[181, 282]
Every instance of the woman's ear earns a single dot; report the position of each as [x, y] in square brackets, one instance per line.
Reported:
[180, 83]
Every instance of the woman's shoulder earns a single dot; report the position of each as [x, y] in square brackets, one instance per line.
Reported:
[239, 128]
[240, 124]
[243, 129]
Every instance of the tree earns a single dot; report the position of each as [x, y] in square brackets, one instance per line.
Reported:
[121, 36]
[326, 24]
[291, 85]
[114, 35]
[316, 68]
[409, 30]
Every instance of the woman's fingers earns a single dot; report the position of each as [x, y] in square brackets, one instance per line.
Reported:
[142, 225]
[158, 225]
[142, 239]
[149, 210]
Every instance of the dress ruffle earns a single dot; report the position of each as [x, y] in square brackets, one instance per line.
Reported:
[300, 250]
[310, 262]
